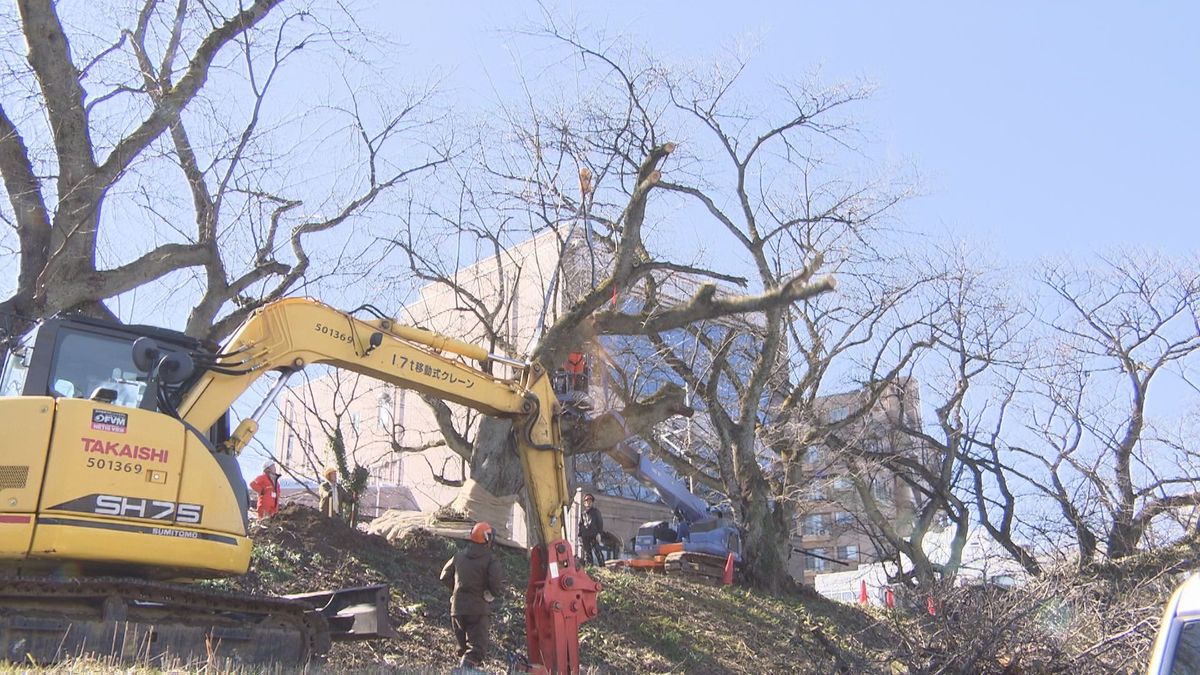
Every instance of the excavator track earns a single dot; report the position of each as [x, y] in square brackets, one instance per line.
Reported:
[45, 620]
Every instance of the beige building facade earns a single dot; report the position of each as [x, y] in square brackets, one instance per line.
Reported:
[832, 533]
[497, 303]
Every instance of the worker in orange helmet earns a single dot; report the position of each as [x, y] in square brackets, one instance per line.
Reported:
[473, 577]
[331, 493]
[266, 486]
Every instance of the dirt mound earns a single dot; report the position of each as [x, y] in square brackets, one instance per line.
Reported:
[300, 550]
[647, 623]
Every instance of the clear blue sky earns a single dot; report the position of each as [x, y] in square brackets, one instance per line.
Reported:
[1043, 127]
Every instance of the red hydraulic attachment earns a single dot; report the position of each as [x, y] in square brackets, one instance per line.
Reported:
[559, 600]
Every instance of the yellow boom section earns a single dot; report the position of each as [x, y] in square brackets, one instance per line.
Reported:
[290, 334]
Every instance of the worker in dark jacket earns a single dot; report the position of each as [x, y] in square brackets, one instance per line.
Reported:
[473, 577]
[591, 524]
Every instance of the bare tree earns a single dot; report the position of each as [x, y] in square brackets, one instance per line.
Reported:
[979, 352]
[1105, 459]
[971, 340]
[754, 177]
[619, 136]
[1048, 406]
[120, 126]
[323, 425]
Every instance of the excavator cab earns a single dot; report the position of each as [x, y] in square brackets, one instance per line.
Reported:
[92, 475]
[106, 475]
[81, 357]
[106, 494]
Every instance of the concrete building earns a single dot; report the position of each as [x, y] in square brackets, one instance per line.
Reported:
[832, 532]
[497, 302]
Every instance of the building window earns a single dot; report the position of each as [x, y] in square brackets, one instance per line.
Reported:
[355, 422]
[839, 413]
[843, 518]
[388, 471]
[287, 453]
[841, 484]
[882, 488]
[816, 524]
[848, 553]
[814, 564]
[812, 454]
[816, 492]
[514, 318]
[387, 414]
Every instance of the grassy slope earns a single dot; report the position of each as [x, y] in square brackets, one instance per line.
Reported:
[1100, 621]
[647, 624]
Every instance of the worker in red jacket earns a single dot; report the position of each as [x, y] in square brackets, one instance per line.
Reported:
[267, 488]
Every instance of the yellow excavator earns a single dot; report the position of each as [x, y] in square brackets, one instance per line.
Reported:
[119, 479]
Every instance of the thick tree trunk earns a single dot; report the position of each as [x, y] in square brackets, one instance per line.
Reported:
[496, 467]
[494, 463]
[766, 543]
[1123, 538]
[16, 317]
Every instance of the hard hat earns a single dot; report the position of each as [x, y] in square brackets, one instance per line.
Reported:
[269, 467]
[329, 471]
[482, 533]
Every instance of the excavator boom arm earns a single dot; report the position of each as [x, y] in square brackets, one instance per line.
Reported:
[290, 334]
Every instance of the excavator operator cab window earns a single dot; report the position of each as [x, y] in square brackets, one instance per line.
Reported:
[85, 363]
[77, 357]
[16, 369]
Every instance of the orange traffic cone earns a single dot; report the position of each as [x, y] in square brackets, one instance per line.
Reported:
[862, 593]
[728, 577]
